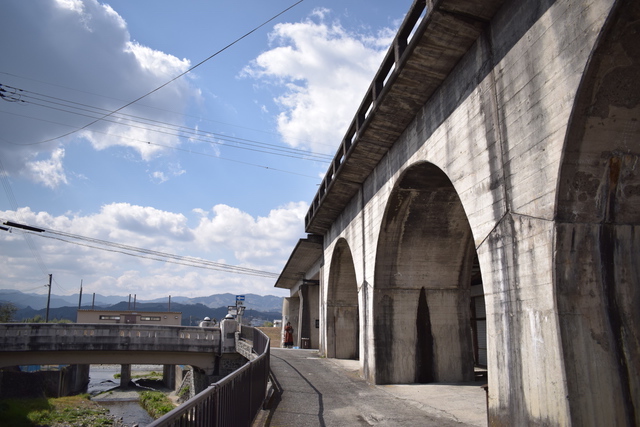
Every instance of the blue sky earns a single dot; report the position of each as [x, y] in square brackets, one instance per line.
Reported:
[219, 165]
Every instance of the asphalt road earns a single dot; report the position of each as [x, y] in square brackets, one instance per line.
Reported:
[317, 392]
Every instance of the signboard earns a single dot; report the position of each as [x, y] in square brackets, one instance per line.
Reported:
[233, 310]
[239, 298]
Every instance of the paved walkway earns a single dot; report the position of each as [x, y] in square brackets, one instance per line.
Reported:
[328, 392]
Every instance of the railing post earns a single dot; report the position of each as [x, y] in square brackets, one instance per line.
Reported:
[225, 403]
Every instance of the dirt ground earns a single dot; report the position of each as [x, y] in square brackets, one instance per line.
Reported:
[274, 334]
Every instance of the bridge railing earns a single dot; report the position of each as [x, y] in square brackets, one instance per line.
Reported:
[234, 400]
[415, 19]
[34, 336]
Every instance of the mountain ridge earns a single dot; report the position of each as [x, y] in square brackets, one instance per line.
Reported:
[266, 303]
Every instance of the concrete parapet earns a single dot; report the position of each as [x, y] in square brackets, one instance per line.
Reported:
[245, 348]
[228, 328]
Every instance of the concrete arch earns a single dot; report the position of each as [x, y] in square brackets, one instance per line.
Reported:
[423, 268]
[343, 319]
[597, 261]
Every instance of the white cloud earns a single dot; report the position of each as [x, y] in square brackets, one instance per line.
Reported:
[49, 172]
[159, 176]
[173, 170]
[253, 239]
[80, 51]
[223, 234]
[326, 71]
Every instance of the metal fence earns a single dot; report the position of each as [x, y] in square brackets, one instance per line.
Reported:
[234, 400]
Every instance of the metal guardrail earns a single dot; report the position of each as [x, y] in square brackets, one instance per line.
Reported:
[234, 400]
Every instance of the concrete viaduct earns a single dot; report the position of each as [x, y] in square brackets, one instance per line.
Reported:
[483, 209]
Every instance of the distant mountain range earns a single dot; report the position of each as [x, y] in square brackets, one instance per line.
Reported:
[38, 301]
[193, 310]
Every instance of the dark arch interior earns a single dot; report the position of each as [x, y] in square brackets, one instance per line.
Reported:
[422, 291]
[342, 306]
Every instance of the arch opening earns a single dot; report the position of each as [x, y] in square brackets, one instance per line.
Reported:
[343, 318]
[427, 277]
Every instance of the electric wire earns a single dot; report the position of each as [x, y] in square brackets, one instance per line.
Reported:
[176, 130]
[204, 119]
[194, 262]
[186, 261]
[174, 78]
[4, 177]
[186, 150]
[109, 246]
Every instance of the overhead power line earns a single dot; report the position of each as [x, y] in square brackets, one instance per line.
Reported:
[170, 147]
[157, 126]
[174, 78]
[201, 118]
[4, 177]
[150, 254]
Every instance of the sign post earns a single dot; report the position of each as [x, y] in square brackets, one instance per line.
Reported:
[239, 307]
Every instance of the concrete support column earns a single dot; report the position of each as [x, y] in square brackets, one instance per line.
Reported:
[80, 378]
[169, 375]
[285, 318]
[125, 375]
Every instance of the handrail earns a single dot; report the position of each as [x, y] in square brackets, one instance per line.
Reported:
[234, 400]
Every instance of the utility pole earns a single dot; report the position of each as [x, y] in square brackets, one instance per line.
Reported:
[46, 320]
[80, 297]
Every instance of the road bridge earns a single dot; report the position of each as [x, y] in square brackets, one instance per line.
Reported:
[483, 209]
[70, 343]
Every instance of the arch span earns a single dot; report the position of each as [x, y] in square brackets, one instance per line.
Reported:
[423, 272]
[342, 305]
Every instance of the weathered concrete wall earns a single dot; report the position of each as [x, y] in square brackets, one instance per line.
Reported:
[523, 131]
[597, 245]
[309, 313]
[229, 363]
[66, 381]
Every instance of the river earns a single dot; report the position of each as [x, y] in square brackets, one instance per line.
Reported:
[103, 388]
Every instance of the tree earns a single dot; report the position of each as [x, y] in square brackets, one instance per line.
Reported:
[39, 319]
[35, 319]
[7, 310]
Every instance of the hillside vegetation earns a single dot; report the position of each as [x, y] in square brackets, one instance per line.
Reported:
[274, 334]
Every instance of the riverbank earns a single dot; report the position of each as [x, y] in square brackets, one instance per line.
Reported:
[123, 404]
[105, 405]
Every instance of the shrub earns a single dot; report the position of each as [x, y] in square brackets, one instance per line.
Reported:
[155, 403]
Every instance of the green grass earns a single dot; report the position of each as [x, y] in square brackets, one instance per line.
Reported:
[155, 403]
[184, 391]
[69, 411]
[150, 375]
